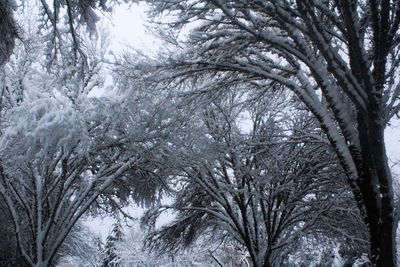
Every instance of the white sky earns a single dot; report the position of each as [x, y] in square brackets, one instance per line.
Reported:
[127, 26]
[392, 136]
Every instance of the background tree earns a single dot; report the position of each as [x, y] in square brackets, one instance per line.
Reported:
[110, 255]
[338, 57]
[131, 253]
[80, 247]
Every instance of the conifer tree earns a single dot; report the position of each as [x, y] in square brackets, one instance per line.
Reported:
[110, 257]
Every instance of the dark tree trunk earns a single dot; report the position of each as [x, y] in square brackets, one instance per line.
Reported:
[376, 189]
[383, 246]
[382, 242]
[8, 31]
[267, 257]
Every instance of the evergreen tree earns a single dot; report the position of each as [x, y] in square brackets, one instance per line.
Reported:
[110, 257]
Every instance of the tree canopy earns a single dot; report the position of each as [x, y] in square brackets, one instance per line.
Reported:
[258, 123]
[338, 57]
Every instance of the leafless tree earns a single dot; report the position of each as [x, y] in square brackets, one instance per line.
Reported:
[61, 149]
[265, 189]
[57, 17]
[340, 58]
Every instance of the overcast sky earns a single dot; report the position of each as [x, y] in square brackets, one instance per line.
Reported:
[127, 26]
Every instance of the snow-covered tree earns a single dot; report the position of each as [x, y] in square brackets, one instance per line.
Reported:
[256, 181]
[132, 253]
[61, 149]
[340, 58]
[110, 255]
[52, 170]
[77, 245]
[60, 19]
[9, 253]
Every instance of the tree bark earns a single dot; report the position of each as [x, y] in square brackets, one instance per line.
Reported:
[376, 188]
[8, 31]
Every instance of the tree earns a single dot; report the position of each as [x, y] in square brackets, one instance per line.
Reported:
[80, 247]
[77, 244]
[132, 253]
[110, 256]
[54, 16]
[51, 172]
[8, 31]
[61, 149]
[265, 187]
[338, 57]
[9, 253]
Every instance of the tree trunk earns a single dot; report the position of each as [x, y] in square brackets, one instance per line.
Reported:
[382, 236]
[383, 247]
[382, 244]
[267, 256]
[376, 188]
